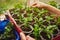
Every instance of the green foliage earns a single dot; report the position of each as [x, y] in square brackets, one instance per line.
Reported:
[8, 4]
[53, 3]
[58, 20]
[48, 18]
[50, 30]
[43, 11]
[2, 8]
[36, 15]
[41, 18]
[58, 6]
[19, 6]
[36, 31]
[8, 32]
[36, 10]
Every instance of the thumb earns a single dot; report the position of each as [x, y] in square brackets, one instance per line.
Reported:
[22, 36]
[30, 38]
[35, 5]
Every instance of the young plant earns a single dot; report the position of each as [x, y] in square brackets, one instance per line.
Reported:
[37, 10]
[53, 3]
[28, 9]
[36, 31]
[26, 22]
[50, 30]
[36, 19]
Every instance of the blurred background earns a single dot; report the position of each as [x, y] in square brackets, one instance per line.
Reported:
[11, 3]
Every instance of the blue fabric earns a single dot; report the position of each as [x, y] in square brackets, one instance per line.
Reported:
[3, 24]
[17, 36]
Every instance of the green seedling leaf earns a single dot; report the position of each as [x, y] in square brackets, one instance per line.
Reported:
[48, 18]
[48, 36]
[53, 3]
[51, 26]
[58, 6]
[36, 31]
[36, 10]
[43, 11]
[58, 20]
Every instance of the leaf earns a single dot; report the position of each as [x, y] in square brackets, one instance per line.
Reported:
[53, 3]
[48, 18]
[58, 20]
[40, 19]
[58, 6]
[51, 26]
[48, 36]
[43, 11]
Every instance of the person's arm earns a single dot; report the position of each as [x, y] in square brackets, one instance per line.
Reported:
[22, 35]
[46, 6]
[52, 9]
[25, 38]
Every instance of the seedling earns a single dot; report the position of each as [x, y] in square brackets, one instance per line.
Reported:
[41, 17]
[36, 31]
[53, 3]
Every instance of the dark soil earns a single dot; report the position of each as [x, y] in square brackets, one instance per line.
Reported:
[58, 26]
[32, 35]
[11, 36]
[44, 35]
[55, 32]
[9, 33]
[22, 11]
[45, 23]
[18, 22]
[52, 22]
[25, 15]
[27, 29]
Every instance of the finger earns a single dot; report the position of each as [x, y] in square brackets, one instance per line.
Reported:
[34, 5]
[30, 38]
[22, 36]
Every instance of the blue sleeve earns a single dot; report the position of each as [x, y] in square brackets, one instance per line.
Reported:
[17, 36]
[3, 24]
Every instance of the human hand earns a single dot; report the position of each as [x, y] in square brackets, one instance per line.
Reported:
[3, 24]
[23, 37]
[36, 3]
[29, 38]
[2, 17]
[39, 5]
